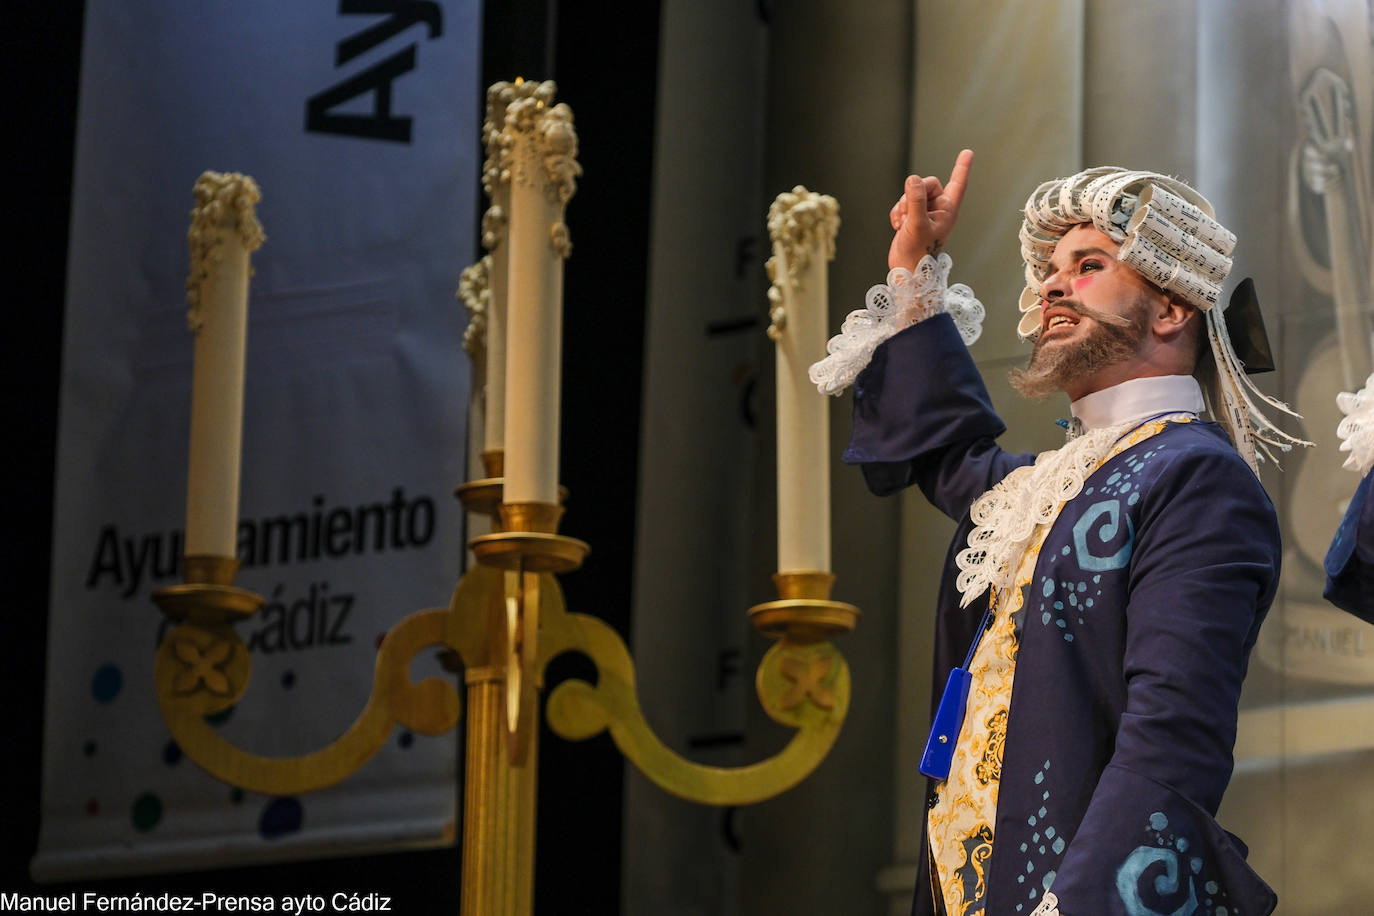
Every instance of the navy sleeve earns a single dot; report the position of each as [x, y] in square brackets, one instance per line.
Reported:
[1350, 560]
[1203, 573]
[922, 415]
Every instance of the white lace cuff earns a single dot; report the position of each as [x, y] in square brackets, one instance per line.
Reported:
[1357, 429]
[908, 297]
[1048, 906]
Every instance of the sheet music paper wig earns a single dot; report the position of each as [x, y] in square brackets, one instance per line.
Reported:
[1169, 234]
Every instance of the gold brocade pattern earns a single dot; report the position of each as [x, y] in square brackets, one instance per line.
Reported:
[989, 769]
[959, 824]
[978, 850]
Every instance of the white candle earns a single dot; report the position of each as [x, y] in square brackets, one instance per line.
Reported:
[802, 226]
[224, 230]
[539, 150]
[494, 435]
[496, 239]
[475, 292]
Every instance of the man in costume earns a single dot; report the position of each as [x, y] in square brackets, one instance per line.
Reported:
[1104, 596]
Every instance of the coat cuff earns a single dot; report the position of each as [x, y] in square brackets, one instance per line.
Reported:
[920, 392]
[1144, 848]
[1349, 562]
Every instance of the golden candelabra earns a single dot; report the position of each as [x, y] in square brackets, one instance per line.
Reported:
[507, 620]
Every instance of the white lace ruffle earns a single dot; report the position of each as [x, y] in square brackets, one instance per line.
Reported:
[1049, 906]
[907, 298]
[1357, 429]
[1006, 517]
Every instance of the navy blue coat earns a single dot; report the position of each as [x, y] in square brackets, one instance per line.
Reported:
[1350, 560]
[1147, 597]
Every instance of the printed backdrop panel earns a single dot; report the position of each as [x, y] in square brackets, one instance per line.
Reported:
[361, 129]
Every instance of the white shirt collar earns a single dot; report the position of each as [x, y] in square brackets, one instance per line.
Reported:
[1138, 399]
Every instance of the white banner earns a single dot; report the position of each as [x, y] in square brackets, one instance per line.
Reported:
[359, 120]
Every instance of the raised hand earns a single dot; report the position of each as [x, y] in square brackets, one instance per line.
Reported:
[926, 213]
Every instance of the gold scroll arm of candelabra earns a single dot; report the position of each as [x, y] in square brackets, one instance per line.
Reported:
[802, 685]
[203, 668]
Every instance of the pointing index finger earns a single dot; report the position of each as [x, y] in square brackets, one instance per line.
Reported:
[958, 179]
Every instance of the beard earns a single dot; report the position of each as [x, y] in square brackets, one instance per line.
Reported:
[1112, 339]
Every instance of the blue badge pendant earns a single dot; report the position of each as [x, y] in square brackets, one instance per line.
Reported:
[944, 731]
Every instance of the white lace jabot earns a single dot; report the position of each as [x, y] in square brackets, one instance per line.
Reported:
[1138, 399]
[1007, 516]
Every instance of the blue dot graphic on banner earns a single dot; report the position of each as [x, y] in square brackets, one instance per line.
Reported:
[106, 684]
[171, 754]
[282, 816]
[146, 812]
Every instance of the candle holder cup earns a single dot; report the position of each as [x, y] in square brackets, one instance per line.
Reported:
[208, 596]
[483, 496]
[803, 613]
[529, 541]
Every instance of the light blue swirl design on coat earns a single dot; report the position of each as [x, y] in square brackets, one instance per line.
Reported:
[1107, 516]
[1129, 876]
